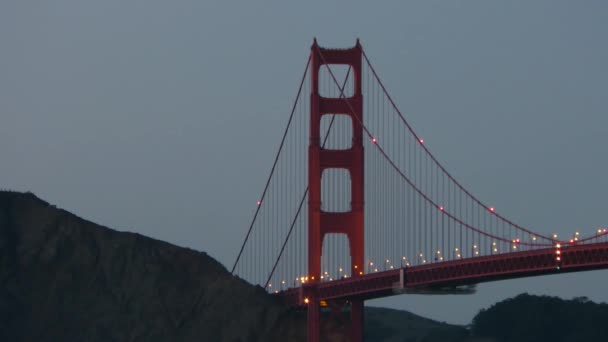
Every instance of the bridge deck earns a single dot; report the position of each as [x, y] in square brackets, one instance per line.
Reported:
[450, 274]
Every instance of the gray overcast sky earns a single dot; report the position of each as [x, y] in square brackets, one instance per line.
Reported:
[162, 117]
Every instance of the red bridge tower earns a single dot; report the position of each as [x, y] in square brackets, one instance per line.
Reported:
[350, 223]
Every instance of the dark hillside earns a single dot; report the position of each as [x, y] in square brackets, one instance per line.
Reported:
[396, 326]
[63, 278]
[528, 318]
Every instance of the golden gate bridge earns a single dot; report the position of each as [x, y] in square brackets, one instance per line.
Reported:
[357, 207]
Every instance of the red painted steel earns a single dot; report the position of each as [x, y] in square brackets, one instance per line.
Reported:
[449, 274]
[313, 319]
[321, 223]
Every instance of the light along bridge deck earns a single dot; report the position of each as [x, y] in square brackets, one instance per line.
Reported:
[447, 276]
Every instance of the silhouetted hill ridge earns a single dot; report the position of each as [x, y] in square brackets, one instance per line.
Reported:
[63, 278]
[543, 318]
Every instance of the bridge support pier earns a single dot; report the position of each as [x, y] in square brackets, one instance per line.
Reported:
[313, 326]
[356, 320]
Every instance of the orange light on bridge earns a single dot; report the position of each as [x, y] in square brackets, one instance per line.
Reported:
[306, 301]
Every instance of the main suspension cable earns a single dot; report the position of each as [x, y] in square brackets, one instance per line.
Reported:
[274, 164]
[443, 169]
[418, 190]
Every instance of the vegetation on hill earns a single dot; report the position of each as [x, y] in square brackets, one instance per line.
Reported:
[528, 318]
[390, 325]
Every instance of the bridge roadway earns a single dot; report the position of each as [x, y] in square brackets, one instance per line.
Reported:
[448, 276]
